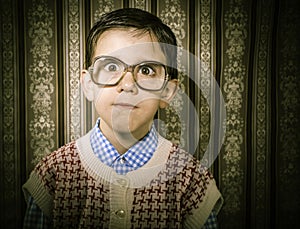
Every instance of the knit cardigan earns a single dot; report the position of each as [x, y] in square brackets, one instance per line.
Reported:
[76, 190]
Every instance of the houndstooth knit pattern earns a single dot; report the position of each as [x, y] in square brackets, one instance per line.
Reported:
[79, 200]
[82, 201]
[177, 190]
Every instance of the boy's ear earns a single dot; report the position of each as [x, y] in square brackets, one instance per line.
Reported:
[87, 85]
[168, 93]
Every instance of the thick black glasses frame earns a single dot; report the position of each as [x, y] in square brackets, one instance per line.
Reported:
[128, 68]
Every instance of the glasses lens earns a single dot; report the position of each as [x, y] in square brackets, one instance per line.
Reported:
[150, 75]
[107, 71]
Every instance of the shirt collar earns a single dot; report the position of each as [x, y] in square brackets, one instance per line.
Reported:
[136, 156]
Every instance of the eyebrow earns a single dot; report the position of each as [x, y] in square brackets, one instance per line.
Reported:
[136, 63]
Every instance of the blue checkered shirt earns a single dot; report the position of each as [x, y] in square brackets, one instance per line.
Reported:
[138, 155]
[134, 158]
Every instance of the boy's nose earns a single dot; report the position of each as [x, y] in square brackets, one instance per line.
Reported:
[127, 84]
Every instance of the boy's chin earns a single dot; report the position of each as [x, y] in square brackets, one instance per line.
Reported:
[132, 132]
[125, 136]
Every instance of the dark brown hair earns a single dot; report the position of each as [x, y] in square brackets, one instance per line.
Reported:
[143, 22]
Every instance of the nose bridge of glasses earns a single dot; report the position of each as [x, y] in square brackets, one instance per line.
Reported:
[128, 69]
[131, 69]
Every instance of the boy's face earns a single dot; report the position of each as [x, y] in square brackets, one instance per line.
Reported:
[126, 108]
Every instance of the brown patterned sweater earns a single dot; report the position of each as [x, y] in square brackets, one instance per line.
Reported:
[76, 190]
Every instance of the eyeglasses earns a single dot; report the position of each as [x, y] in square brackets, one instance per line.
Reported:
[109, 71]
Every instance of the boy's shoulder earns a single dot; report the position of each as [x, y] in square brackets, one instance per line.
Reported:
[181, 157]
[177, 156]
[63, 154]
[184, 164]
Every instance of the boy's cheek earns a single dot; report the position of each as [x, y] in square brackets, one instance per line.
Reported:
[99, 95]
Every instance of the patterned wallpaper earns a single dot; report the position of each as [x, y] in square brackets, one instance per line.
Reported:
[250, 47]
[233, 80]
[41, 80]
[9, 105]
[288, 107]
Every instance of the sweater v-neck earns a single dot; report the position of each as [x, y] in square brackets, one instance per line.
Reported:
[137, 178]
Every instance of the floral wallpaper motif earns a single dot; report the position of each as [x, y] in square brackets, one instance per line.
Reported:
[72, 73]
[140, 4]
[41, 74]
[234, 75]
[262, 115]
[104, 6]
[204, 46]
[175, 18]
[9, 149]
[288, 123]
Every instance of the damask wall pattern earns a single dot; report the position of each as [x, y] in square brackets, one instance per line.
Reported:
[41, 80]
[10, 157]
[287, 121]
[235, 43]
[73, 38]
[204, 49]
[173, 13]
[261, 116]
[251, 47]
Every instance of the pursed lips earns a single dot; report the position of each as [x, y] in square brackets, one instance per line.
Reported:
[125, 105]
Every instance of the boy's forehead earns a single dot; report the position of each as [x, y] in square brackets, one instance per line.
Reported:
[129, 47]
[140, 52]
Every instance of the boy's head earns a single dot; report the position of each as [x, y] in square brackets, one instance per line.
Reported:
[128, 75]
[141, 22]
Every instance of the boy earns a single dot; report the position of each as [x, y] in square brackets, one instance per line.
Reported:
[123, 174]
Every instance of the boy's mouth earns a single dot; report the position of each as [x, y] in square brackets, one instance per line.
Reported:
[124, 105]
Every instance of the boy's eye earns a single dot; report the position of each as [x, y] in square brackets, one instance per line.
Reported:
[111, 67]
[146, 71]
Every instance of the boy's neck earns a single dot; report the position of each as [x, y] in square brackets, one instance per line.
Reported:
[122, 141]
